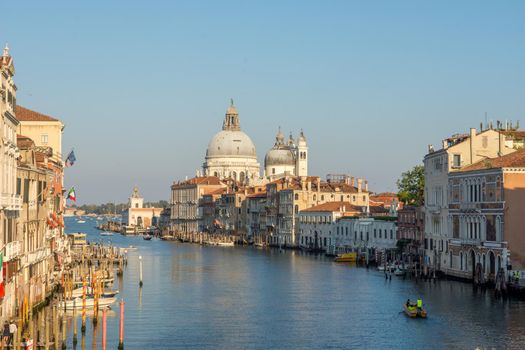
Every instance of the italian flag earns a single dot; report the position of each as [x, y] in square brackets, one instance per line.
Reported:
[71, 195]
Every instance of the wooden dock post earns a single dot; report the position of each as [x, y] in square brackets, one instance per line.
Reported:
[83, 327]
[140, 270]
[104, 329]
[121, 328]
[75, 323]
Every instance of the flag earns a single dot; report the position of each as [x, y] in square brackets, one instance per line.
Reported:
[70, 160]
[71, 195]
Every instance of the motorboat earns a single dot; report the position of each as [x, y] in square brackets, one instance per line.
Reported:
[399, 271]
[147, 237]
[90, 302]
[106, 233]
[346, 257]
[77, 293]
[81, 221]
[412, 311]
[225, 244]
[131, 247]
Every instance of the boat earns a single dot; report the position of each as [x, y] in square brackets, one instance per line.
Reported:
[167, 238]
[225, 244]
[81, 221]
[346, 257]
[77, 293]
[106, 233]
[147, 237]
[399, 272]
[259, 244]
[90, 302]
[381, 268]
[131, 247]
[413, 311]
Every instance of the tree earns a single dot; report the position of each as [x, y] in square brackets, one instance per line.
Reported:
[411, 186]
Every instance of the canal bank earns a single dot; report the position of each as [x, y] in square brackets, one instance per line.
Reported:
[231, 297]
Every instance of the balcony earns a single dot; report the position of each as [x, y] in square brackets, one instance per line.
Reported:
[12, 250]
[10, 201]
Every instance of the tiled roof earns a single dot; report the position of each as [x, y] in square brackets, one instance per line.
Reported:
[520, 134]
[334, 206]
[294, 183]
[24, 142]
[512, 160]
[257, 195]
[24, 114]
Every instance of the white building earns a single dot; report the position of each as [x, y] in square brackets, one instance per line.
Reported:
[286, 159]
[231, 153]
[338, 227]
[136, 215]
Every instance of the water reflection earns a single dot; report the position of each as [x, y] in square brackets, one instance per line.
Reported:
[229, 298]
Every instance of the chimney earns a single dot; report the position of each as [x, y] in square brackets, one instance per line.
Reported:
[303, 183]
[471, 139]
[444, 144]
[366, 185]
[501, 145]
[359, 184]
[352, 181]
[347, 180]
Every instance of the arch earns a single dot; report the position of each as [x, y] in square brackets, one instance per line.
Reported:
[472, 267]
[234, 175]
[492, 263]
[139, 221]
[242, 176]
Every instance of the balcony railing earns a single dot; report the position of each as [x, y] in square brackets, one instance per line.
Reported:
[12, 250]
[10, 201]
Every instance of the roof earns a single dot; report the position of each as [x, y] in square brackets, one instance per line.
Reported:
[512, 160]
[334, 206]
[214, 191]
[257, 195]
[26, 115]
[24, 142]
[294, 183]
[515, 134]
[201, 180]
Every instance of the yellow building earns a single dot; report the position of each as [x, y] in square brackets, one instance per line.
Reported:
[44, 130]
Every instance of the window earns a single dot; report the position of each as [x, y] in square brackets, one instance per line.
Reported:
[296, 196]
[296, 209]
[273, 171]
[456, 161]
[322, 197]
[44, 139]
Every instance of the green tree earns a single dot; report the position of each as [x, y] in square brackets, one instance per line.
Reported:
[411, 186]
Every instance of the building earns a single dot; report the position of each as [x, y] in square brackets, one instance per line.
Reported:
[231, 153]
[186, 215]
[456, 153]
[256, 216]
[286, 158]
[10, 199]
[387, 200]
[287, 196]
[486, 207]
[340, 227]
[411, 228]
[136, 215]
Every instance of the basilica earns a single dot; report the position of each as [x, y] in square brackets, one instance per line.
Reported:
[231, 154]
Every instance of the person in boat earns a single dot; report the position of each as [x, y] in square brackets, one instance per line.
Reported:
[408, 302]
[419, 304]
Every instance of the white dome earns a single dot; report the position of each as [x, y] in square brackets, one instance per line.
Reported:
[231, 144]
[279, 156]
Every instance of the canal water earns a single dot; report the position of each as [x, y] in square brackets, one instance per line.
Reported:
[250, 298]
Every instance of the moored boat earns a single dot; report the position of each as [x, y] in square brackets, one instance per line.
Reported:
[147, 237]
[225, 244]
[90, 302]
[346, 257]
[106, 233]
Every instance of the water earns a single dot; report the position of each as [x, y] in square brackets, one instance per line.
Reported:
[249, 298]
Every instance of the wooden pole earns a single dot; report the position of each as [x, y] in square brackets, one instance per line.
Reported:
[104, 329]
[121, 328]
[95, 297]
[75, 323]
[83, 328]
[140, 270]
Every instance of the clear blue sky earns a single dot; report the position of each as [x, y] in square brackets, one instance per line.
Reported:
[143, 86]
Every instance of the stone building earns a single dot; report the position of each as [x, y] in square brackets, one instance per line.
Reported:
[231, 153]
[10, 200]
[138, 216]
[286, 158]
[185, 198]
[287, 196]
[457, 152]
[486, 218]
[411, 227]
[340, 226]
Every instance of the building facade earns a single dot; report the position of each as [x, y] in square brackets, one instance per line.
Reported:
[486, 218]
[136, 215]
[457, 152]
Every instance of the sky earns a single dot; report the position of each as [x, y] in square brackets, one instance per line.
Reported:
[142, 86]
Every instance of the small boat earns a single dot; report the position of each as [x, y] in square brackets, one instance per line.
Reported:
[167, 238]
[147, 237]
[381, 268]
[81, 221]
[413, 311]
[225, 244]
[131, 247]
[77, 293]
[346, 257]
[106, 233]
[399, 272]
[90, 302]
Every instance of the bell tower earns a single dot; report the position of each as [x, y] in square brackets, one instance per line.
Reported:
[301, 167]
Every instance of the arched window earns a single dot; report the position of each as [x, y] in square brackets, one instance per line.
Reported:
[315, 197]
[296, 209]
[241, 176]
[297, 196]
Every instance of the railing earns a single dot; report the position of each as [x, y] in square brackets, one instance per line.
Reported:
[10, 201]
[12, 250]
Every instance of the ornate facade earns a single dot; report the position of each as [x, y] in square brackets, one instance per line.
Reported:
[286, 158]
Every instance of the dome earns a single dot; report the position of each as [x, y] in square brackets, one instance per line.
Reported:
[231, 143]
[279, 156]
